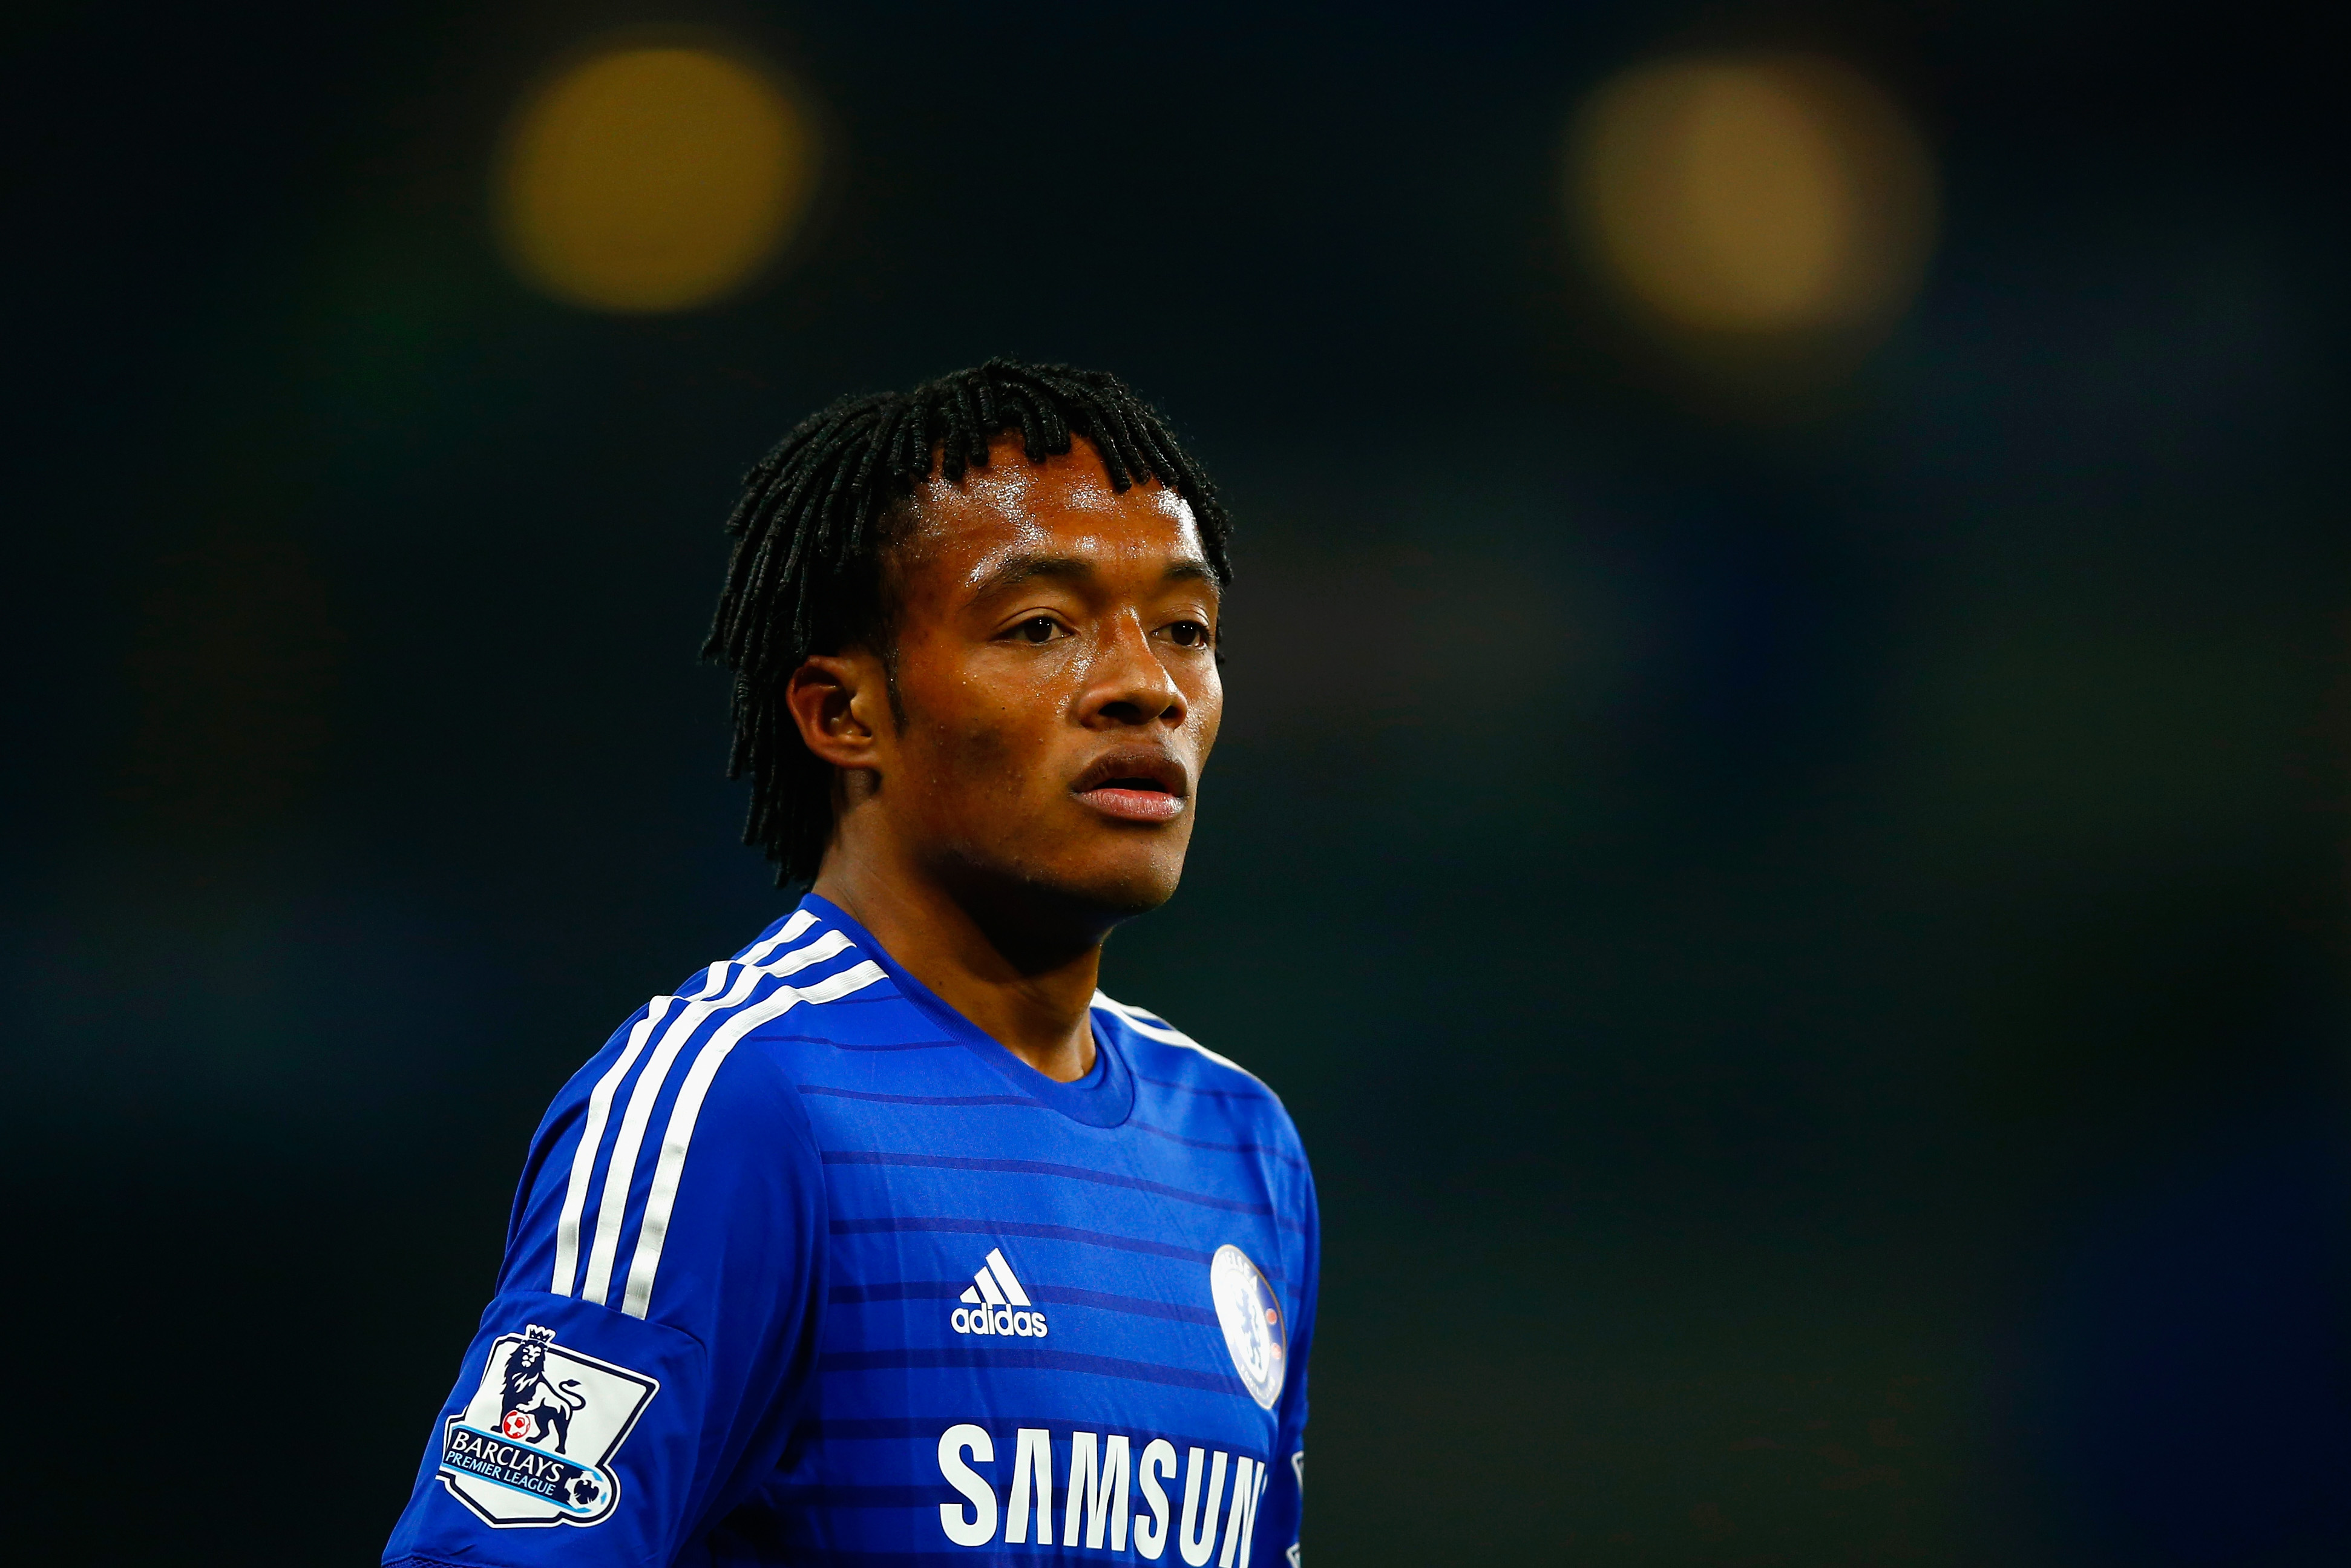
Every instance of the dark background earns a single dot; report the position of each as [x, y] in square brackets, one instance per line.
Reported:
[1805, 937]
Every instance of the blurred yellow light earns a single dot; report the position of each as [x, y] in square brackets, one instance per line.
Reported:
[1763, 195]
[649, 179]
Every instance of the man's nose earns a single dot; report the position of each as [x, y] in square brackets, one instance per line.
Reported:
[1130, 685]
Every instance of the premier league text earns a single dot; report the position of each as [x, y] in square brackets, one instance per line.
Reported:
[516, 1464]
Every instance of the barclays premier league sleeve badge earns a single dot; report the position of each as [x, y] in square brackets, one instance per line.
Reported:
[1251, 1318]
[536, 1446]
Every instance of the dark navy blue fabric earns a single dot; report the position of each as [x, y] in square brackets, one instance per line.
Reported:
[816, 1159]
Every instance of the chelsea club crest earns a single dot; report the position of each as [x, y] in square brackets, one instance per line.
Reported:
[1251, 1316]
[536, 1444]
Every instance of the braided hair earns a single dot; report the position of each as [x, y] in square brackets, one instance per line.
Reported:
[819, 511]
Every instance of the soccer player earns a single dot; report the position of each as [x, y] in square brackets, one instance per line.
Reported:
[891, 1238]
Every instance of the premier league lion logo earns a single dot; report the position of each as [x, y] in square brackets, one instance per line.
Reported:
[536, 1406]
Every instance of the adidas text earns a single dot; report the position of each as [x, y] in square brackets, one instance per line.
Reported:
[1000, 1320]
[994, 1303]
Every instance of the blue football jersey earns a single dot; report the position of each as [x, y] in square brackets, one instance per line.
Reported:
[805, 1268]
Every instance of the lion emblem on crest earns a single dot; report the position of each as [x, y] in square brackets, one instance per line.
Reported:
[535, 1406]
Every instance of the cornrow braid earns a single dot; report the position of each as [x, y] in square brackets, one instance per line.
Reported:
[805, 576]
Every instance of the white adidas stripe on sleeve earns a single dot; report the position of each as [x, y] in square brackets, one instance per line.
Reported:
[592, 1138]
[638, 1297]
[745, 976]
[800, 921]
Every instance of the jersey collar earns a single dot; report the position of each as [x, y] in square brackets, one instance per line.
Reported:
[1103, 1097]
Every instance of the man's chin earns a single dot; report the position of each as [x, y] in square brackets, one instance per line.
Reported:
[1092, 895]
[1117, 892]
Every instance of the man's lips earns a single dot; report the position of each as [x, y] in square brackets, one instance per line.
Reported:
[1133, 805]
[1136, 787]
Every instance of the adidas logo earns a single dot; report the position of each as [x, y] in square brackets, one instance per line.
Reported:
[996, 1303]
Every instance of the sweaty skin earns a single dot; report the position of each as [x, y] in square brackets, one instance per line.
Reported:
[1055, 662]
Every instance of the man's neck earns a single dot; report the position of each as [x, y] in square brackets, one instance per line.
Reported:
[1032, 1003]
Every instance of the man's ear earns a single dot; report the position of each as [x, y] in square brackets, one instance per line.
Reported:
[839, 701]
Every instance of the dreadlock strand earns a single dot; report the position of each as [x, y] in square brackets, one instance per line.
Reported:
[979, 401]
[1035, 444]
[1109, 437]
[872, 482]
[955, 403]
[1060, 428]
[915, 450]
[1103, 426]
[984, 390]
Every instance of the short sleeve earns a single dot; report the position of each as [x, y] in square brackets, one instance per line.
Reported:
[638, 1371]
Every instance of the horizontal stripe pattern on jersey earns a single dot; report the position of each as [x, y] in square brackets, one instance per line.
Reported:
[896, 1296]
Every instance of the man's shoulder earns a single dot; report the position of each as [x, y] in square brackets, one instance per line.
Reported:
[1166, 1057]
[693, 1107]
[745, 1028]
[805, 982]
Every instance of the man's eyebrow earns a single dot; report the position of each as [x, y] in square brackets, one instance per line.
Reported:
[1014, 570]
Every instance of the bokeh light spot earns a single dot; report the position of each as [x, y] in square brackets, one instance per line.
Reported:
[648, 179]
[1774, 194]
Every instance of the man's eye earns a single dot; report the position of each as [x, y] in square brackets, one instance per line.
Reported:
[1038, 629]
[1188, 634]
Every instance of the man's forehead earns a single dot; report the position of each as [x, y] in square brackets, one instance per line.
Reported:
[1017, 508]
[1076, 550]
